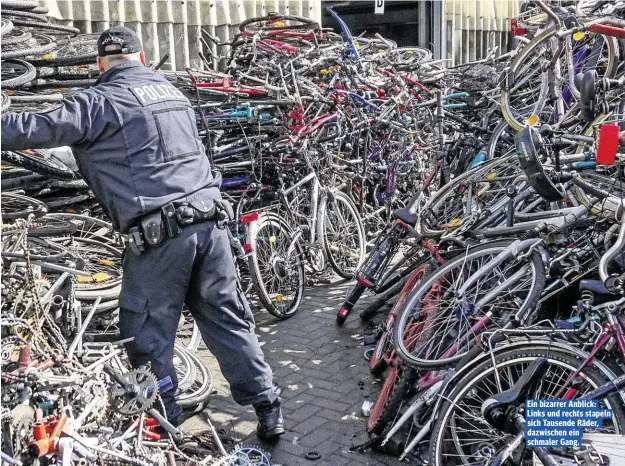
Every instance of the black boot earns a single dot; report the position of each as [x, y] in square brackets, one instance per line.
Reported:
[270, 422]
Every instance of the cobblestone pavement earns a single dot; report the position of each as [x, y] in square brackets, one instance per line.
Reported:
[319, 367]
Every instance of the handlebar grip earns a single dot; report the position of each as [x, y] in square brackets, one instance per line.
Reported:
[607, 30]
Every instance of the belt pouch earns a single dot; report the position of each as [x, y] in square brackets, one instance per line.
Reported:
[170, 221]
[203, 210]
[153, 228]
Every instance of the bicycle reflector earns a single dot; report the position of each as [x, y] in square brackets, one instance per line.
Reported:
[608, 144]
[249, 218]
[516, 30]
[529, 146]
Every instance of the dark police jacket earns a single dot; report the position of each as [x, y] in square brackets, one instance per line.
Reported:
[135, 140]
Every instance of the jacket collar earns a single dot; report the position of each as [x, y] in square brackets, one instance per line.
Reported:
[110, 74]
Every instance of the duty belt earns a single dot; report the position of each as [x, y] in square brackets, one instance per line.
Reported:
[155, 228]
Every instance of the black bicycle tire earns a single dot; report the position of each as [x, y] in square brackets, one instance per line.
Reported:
[39, 165]
[257, 278]
[25, 52]
[16, 36]
[46, 26]
[19, 4]
[47, 226]
[23, 182]
[308, 23]
[24, 14]
[493, 248]
[62, 201]
[554, 353]
[67, 61]
[7, 26]
[29, 75]
[39, 210]
[361, 237]
[374, 307]
[60, 84]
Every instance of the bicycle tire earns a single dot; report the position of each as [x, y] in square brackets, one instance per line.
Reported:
[467, 384]
[186, 377]
[6, 26]
[348, 269]
[22, 182]
[374, 307]
[27, 76]
[403, 320]
[199, 395]
[49, 226]
[308, 23]
[528, 51]
[276, 225]
[24, 14]
[393, 393]
[44, 98]
[6, 102]
[61, 84]
[19, 4]
[384, 345]
[46, 26]
[32, 207]
[16, 36]
[44, 163]
[73, 60]
[39, 49]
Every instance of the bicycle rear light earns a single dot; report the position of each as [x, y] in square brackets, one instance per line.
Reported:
[608, 144]
[249, 218]
[515, 29]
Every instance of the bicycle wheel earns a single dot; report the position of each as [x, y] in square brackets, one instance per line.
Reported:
[461, 436]
[188, 333]
[16, 206]
[16, 73]
[526, 90]
[437, 326]
[276, 265]
[40, 161]
[6, 26]
[393, 394]
[202, 387]
[343, 235]
[474, 191]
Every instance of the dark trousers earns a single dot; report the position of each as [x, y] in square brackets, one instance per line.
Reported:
[197, 269]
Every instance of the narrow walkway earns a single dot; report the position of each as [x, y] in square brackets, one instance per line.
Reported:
[325, 380]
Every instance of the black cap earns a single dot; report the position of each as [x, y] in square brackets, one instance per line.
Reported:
[118, 40]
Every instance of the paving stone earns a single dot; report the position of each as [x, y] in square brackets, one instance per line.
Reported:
[303, 412]
[314, 438]
[309, 425]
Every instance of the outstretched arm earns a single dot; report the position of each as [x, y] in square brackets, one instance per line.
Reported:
[77, 119]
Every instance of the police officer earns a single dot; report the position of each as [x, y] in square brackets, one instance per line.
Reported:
[135, 140]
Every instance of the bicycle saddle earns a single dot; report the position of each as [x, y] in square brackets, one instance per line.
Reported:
[496, 408]
[586, 85]
[405, 216]
[597, 288]
[529, 147]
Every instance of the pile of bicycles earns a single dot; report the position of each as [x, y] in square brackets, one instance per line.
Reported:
[489, 195]
[507, 282]
[68, 392]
